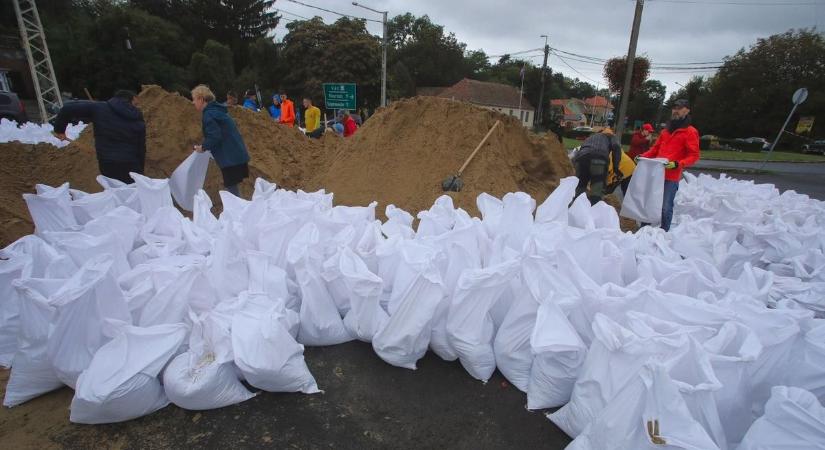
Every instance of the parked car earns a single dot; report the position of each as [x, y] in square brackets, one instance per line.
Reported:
[583, 129]
[11, 107]
[814, 147]
[765, 144]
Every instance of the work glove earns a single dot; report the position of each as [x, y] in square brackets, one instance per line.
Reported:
[671, 165]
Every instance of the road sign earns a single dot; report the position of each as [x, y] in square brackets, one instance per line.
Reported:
[339, 95]
[800, 96]
[805, 125]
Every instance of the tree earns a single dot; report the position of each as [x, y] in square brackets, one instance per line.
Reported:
[750, 95]
[615, 69]
[314, 53]
[213, 66]
[431, 57]
[89, 49]
[647, 102]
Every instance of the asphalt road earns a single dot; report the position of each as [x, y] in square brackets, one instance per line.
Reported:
[776, 167]
[809, 183]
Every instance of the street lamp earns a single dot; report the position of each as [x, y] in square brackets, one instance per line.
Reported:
[383, 53]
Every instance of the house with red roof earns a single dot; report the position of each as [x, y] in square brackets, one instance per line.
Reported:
[499, 97]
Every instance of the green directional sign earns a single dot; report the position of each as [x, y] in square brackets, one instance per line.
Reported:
[339, 95]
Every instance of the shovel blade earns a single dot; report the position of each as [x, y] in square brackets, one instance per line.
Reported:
[452, 183]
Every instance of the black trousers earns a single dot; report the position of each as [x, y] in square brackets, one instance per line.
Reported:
[119, 170]
[591, 170]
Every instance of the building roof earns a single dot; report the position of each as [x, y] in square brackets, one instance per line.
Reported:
[573, 107]
[598, 102]
[430, 91]
[486, 94]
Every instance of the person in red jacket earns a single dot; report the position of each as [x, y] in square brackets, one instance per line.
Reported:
[640, 142]
[287, 111]
[679, 143]
[349, 124]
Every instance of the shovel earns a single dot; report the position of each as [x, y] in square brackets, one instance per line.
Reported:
[453, 182]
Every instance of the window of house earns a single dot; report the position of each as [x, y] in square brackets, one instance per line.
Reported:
[527, 117]
[521, 115]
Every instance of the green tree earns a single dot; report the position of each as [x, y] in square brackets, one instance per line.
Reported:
[213, 66]
[647, 102]
[344, 51]
[750, 95]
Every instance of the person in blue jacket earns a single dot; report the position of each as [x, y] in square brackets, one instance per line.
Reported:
[249, 101]
[221, 137]
[119, 130]
[275, 108]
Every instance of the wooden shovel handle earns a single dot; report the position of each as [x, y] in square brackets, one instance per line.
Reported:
[470, 158]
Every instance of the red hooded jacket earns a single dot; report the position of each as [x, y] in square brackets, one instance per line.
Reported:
[638, 145]
[682, 146]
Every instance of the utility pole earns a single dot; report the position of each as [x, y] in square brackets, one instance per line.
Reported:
[628, 76]
[538, 118]
[40, 62]
[383, 52]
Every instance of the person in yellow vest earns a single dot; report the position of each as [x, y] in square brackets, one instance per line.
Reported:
[312, 119]
[626, 168]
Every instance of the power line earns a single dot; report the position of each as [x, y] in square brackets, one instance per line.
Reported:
[334, 12]
[573, 68]
[291, 14]
[699, 2]
[515, 53]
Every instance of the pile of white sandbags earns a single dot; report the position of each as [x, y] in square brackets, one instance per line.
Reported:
[641, 338]
[33, 133]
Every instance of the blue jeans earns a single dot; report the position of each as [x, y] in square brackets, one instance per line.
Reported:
[667, 205]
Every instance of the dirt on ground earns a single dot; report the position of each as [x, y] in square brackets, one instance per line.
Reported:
[400, 156]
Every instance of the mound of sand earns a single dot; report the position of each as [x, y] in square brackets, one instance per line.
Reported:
[402, 154]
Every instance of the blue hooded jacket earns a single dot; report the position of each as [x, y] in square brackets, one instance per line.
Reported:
[251, 104]
[119, 130]
[221, 137]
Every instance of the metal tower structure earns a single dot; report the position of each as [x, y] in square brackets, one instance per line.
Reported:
[40, 62]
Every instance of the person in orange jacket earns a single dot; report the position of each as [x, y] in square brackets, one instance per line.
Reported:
[679, 143]
[287, 111]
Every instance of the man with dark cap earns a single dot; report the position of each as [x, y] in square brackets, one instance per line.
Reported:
[119, 130]
[679, 144]
[591, 163]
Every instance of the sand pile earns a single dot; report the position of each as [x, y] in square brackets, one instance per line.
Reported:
[402, 154]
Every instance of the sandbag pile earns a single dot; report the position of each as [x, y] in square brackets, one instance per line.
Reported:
[642, 339]
[33, 133]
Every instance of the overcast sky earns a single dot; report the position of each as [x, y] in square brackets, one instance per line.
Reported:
[672, 31]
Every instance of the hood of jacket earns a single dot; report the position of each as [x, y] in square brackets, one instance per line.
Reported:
[124, 109]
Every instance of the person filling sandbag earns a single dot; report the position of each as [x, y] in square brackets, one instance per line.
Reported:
[679, 143]
[119, 129]
[591, 163]
[221, 137]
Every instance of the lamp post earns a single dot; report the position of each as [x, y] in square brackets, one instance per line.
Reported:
[383, 52]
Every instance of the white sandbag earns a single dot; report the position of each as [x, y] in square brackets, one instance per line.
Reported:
[469, 325]
[51, 208]
[605, 216]
[731, 352]
[31, 373]
[266, 278]
[126, 194]
[204, 377]
[267, 355]
[171, 301]
[152, 193]
[554, 208]
[367, 244]
[92, 206]
[648, 412]
[559, 354]
[188, 178]
[11, 268]
[517, 218]
[202, 215]
[227, 265]
[417, 291]
[362, 289]
[399, 223]
[793, 419]
[125, 221]
[81, 306]
[321, 324]
[491, 210]
[614, 358]
[46, 261]
[645, 194]
[579, 214]
[511, 345]
[82, 247]
[263, 189]
[807, 366]
[121, 383]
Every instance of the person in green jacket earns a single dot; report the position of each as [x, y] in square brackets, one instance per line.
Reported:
[221, 137]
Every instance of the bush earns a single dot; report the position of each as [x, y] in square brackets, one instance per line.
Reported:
[733, 144]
